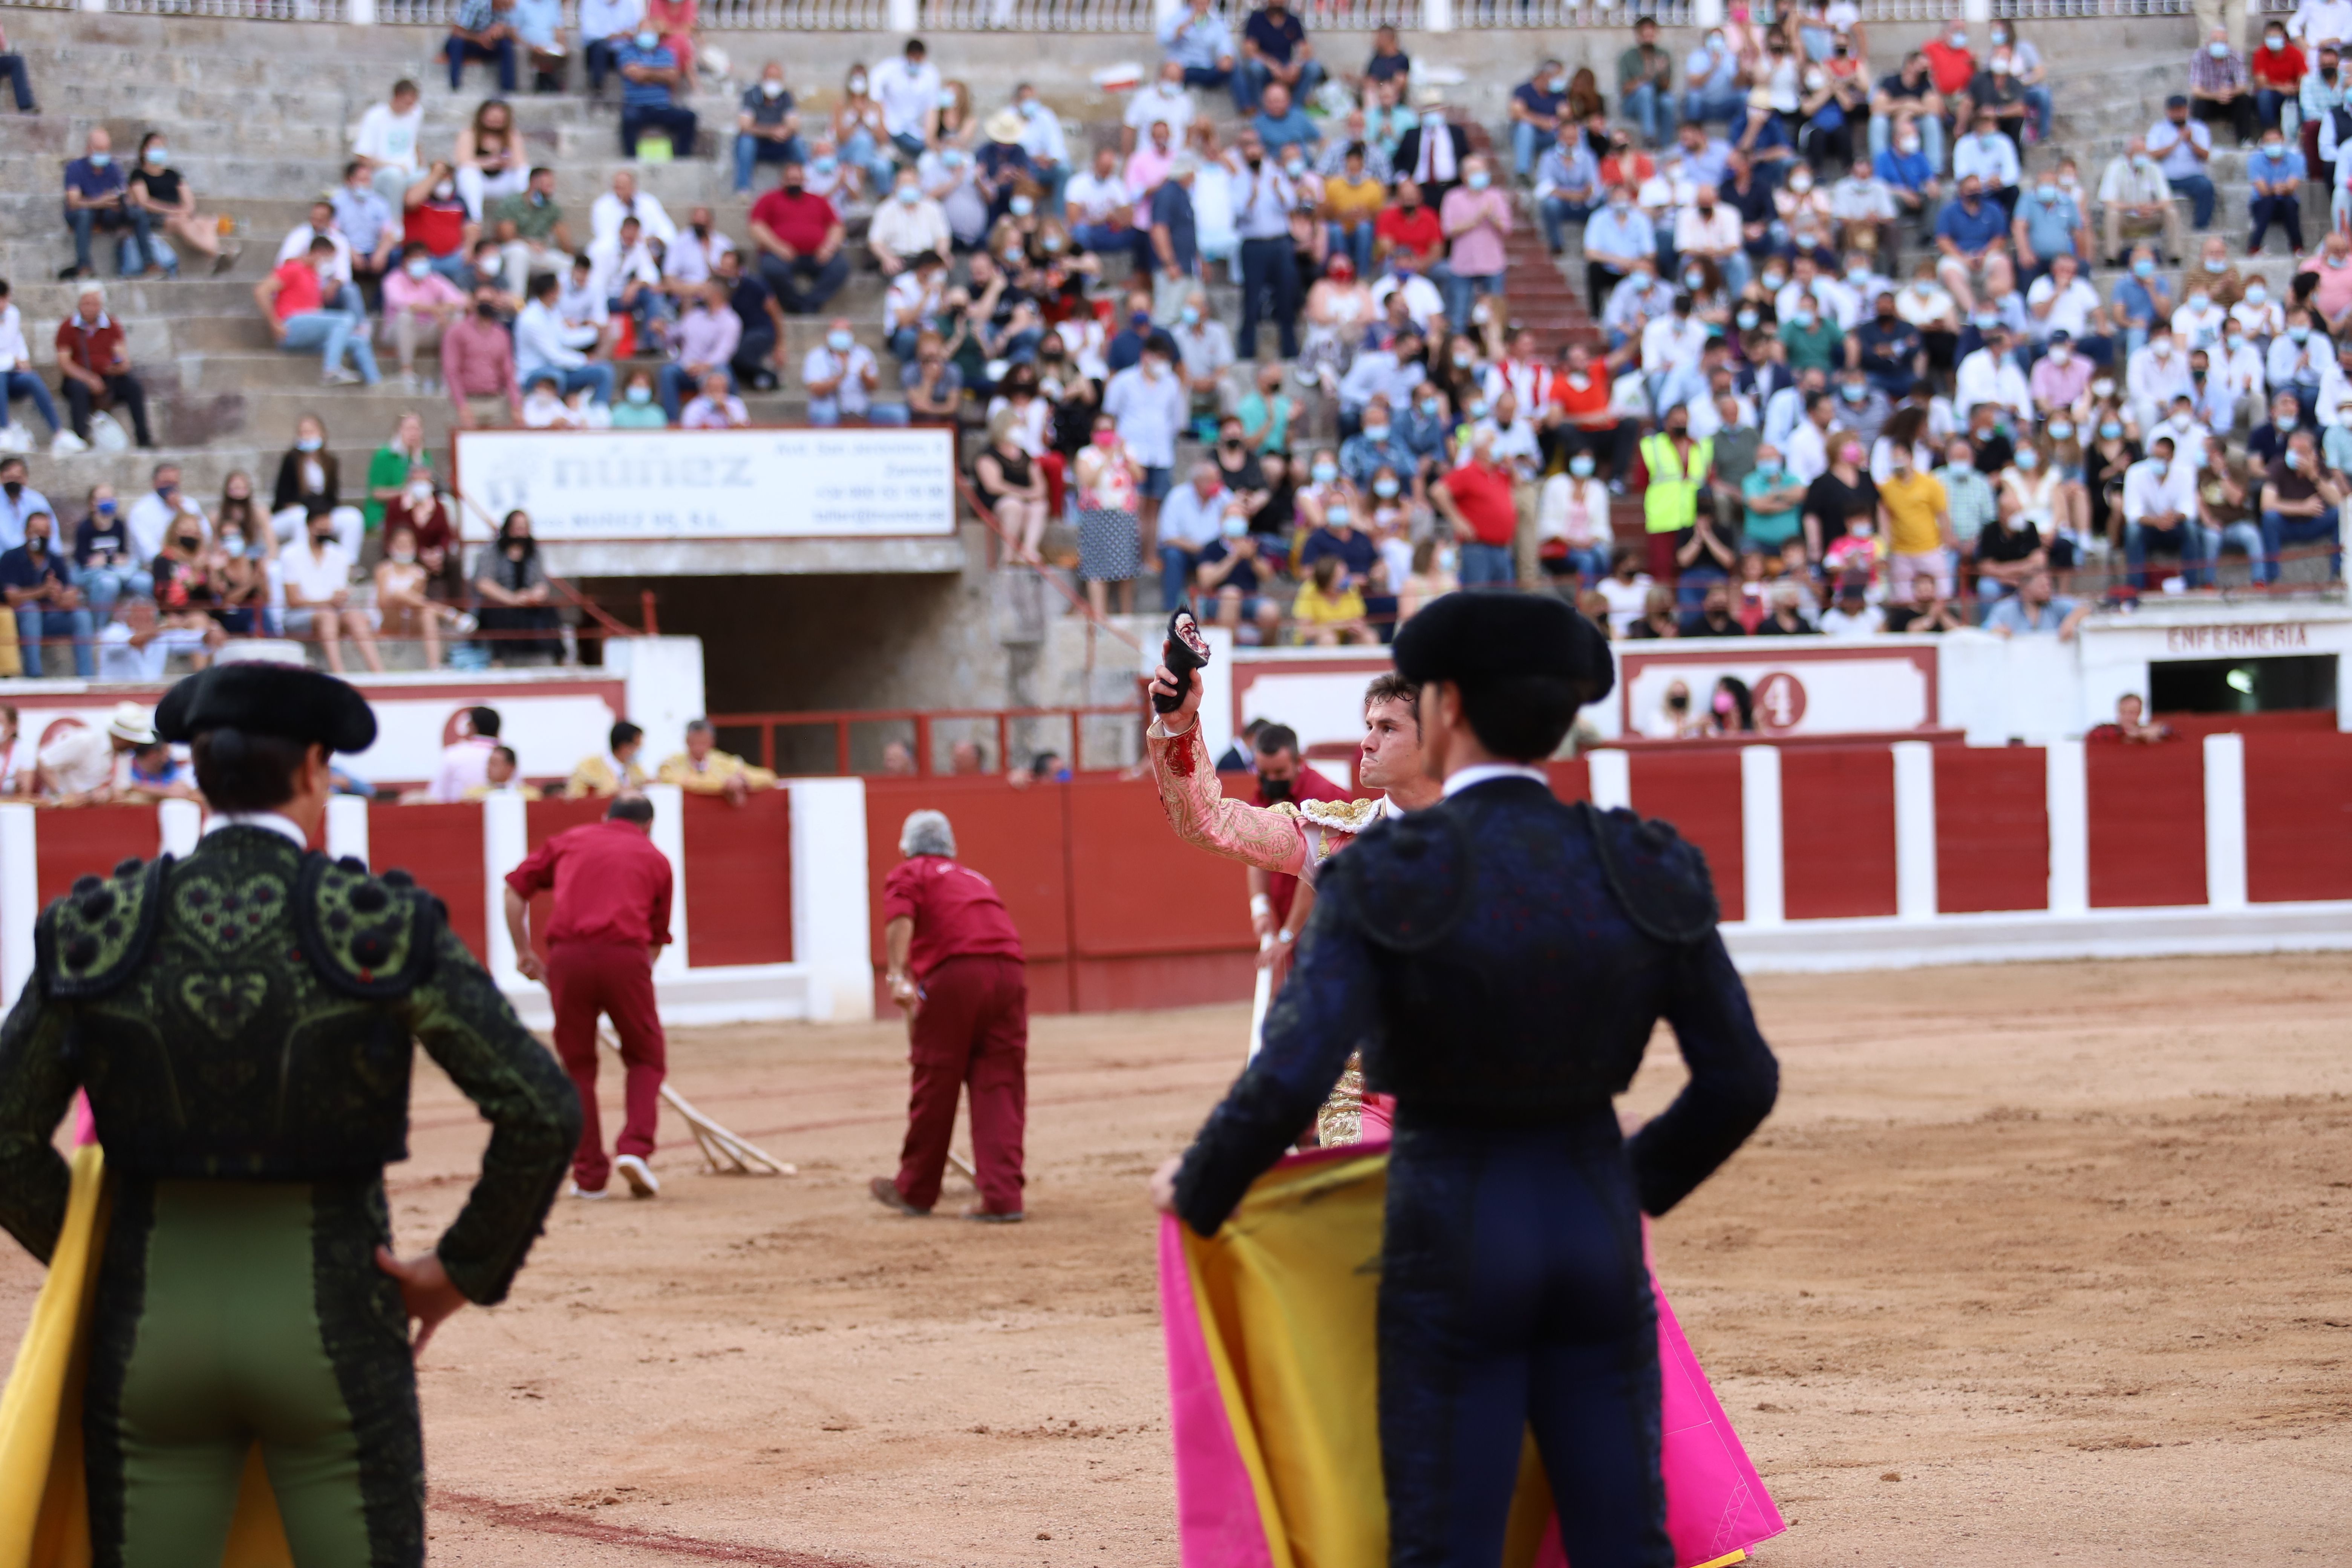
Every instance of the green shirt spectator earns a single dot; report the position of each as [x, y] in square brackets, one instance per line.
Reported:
[1814, 345]
[1774, 500]
[1968, 495]
[388, 470]
[535, 214]
[1265, 413]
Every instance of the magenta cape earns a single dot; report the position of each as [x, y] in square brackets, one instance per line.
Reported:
[1270, 1350]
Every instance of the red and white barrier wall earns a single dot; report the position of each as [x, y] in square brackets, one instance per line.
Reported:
[1825, 857]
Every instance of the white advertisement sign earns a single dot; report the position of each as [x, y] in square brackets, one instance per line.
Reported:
[669, 485]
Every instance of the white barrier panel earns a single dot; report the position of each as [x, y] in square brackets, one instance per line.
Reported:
[1799, 688]
[669, 487]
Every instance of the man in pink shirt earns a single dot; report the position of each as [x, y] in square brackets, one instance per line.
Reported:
[2333, 298]
[466, 760]
[418, 302]
[1475, 217]
[477, 363]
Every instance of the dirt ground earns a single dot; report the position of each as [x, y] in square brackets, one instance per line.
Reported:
[2041, 1262]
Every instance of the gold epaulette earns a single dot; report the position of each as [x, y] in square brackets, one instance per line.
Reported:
[1341, 816]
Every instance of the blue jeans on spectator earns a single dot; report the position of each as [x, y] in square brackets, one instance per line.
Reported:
[1690, 588]
[1208, 77]
[600, 63]
[459, 51]
[828, 411]
[15, 384]
[33, 626]
[751, 150]
[1104, 240]
[909, 143]
[2267, 104]
[783, 280]
[1650, 109]
[2186, 537]
[1355, 242]
[902, 341]
[1709, 104]
[1176, 564]
[2037, 98]
[862, 149]
[1528, 144]
[87, 221]
[2284, 211]
[1460, 289]
[676, 386]
[671, 120]
[102, 585]
[1487, 565]
[1588, 562]
[2280, 530]
[596, 375]
[13, 68]
[652, 313]
[1250, 77]
[333, 334]
[2199, 189]
[1558, 212]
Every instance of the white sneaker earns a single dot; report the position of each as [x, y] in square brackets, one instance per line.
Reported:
[66, 444]
[336, 375]
[632, 1169]
[576, 1191]
[16, 439]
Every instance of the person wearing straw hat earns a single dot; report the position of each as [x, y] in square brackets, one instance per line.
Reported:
[1003, 161]
[84, 767]
[241, 1021]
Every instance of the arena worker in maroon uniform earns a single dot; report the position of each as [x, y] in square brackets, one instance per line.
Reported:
[955, 966]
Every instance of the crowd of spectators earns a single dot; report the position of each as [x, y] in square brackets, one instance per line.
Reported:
[364, 567]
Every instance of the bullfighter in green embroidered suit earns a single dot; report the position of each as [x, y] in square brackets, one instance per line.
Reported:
[242, 1021]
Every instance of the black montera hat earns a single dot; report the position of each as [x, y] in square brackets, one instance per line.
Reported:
[267, 699]
[1468, 636]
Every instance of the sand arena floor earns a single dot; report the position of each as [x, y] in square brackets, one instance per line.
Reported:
[2043, 1263]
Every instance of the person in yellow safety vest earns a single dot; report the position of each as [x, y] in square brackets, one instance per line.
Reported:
[1676, 468]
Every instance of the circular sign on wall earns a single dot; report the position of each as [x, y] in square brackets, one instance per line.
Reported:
[1780, 702]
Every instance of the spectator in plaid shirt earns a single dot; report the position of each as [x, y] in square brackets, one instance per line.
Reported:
[2220, 91]
[482, 30]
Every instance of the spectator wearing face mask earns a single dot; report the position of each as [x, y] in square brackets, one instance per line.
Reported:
[651, 77]
[434, 218]
[477, 365]
[767, 126]
[1476, 219]
[482, 30]
[419, 305]
[2136, 198]
[2160, 515]
[2156, 375]
[2276, 70]
[2274, 177]
[2220, 90]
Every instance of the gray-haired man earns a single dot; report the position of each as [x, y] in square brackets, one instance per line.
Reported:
[955, 966]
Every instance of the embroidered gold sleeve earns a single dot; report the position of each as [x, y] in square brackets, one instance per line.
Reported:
[1271, 838]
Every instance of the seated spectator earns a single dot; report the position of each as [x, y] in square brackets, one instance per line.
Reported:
[292, 301]
[2276, 70]
[2161, 513]
[652, 77]
[2275, 177]
[1656, 620]
[1477, 502]
[767, 126]
[418, 304]
[638, 409]
[1928, 611]
[98, 201]
[1711, 88]
[624, 275]
[1198, 40]
[934, 388]
[1910, 177]
[906, 228]
[547, 348]
[499, 777]
[1329, 608]
[1204, 351]
[171, 206]
[138, 646]
[1536, 107]
[80, 766]
[614, 768]
[1433, 151]
[1275, 51]
[386, 144]
[539, 30]
[36, 579]
[393, 465]
[1713, 618]
[96, 369]
[18, 380]
[1163, 102]
[2221, 91]
[321, 224]
[1567, 189]
[1907, 106]
[798, 238]
[715, 407]
[2302, 502]
[433, 216]
[531, 233]
[1852, 615]
[482, 30]
[513, 595]
[703, 769]
[702, 346]
[12, 67]
[108, 560]
[840, 375]
[477, 365]
[1281, 125]
[2033, 608]
[1972, 233]
[2048, 225]
[1191, 518]
[2136, 197]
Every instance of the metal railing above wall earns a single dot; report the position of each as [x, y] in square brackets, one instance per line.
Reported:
[1482, 16]
[2091, 10]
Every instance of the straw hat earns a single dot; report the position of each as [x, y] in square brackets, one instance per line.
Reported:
[1005, 126]
[130, 722]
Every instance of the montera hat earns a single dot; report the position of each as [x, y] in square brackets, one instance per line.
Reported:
[269, 698]
[1470, 637]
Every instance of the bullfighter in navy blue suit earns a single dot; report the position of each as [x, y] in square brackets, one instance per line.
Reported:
[1502, 958]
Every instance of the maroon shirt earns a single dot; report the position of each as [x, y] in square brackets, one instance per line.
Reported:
[1306, 783]
[612, 885]
[801, 222]
[956, 912]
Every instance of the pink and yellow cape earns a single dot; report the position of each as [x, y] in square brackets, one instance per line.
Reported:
[1270, 1346]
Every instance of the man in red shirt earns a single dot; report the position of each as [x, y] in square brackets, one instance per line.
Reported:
[955, 966]
[611, 920]
[1281, 775]
[1582, 419]
[432, 215]
[1406, 227]
[293, 300]
[1478, 499]
[798, 235]
[96, 367]
[1948, 60]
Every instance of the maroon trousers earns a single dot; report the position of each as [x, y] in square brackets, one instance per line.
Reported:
[971, 1028]
[617, 981]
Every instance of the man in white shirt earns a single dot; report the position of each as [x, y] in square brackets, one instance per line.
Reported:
[1719, 408]
[2182, 427]
[2183, 149]
[625, 201]
[1991, 157]
[909, 226]
[908, 87]
[622, 259]
[1379, 373]
[1830, 293]
[546, 348]
[2335, 385]
[386, 142]
[914, 298]
[1149, 401]
[1990, 375]
[693, 255]
[2161, 511]
[85, 764]
[2298, 355]
[2156, 374]
[296, 246]
[2237, 367]
[1671, 347]
[1421, 299]
[135, 646]
[2062, 301]
[2135, 196]
[1161, 103]
[604, 24]
[1512, 437]
[1808, 445]
[2317, 22]
[1042, 139]
[841, 376]
[317, 576]
[1709, 228]
[151, 514]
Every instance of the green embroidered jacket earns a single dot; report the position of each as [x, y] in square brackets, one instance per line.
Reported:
[246, 1014]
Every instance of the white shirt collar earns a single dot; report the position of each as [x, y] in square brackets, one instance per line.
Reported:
[272, 821]
[1461, 779]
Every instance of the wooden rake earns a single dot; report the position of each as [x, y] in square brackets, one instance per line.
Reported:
[722, 1152]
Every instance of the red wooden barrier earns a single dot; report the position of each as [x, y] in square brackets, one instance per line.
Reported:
[1156, 922]
[2148, 825]
[542, 820]
[1699, 793]
[2298, 816]
[90, 841]
[441, 846]
[1992, 828]
[1016, 838]
[738, 881]
[1837, 831]
[1571, 781]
